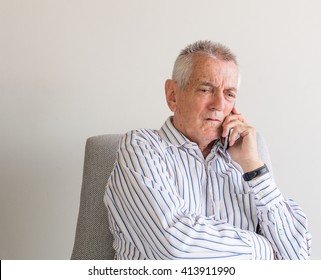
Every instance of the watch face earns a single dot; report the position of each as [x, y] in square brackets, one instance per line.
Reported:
[252, 175]
[249, 176]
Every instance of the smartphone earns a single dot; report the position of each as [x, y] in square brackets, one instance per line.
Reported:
[226, 141]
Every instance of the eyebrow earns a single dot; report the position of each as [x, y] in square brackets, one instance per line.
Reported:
[209, 84]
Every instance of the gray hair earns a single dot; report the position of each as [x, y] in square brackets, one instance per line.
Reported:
[184, 62]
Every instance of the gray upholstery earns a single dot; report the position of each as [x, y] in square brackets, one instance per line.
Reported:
[93, 239]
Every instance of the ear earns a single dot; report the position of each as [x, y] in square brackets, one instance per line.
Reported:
[171, 90]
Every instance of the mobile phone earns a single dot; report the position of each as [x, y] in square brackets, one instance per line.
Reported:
[226, 141]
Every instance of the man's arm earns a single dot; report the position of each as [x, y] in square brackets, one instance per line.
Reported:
[282, 221]
[152, 216]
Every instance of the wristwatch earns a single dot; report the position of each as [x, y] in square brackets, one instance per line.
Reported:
[248, 176]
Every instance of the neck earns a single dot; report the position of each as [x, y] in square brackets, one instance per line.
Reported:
[206, 149]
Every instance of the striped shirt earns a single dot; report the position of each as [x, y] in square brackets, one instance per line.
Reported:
[165, 201]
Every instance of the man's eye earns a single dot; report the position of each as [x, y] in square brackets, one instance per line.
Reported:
[230, 94]
[204, 90]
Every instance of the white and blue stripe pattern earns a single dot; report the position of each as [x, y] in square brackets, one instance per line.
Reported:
[166, 202]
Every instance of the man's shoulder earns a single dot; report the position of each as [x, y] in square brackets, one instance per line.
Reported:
[141, 136]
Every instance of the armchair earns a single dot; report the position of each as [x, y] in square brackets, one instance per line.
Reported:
[93, 239]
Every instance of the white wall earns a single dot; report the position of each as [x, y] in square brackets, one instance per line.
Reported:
[70, 69]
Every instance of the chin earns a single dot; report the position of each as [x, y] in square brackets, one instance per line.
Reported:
[212, 136]
[213, 132]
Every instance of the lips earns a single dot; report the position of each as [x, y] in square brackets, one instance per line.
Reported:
[213, 119]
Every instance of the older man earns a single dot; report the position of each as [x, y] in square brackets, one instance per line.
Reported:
[179, 193]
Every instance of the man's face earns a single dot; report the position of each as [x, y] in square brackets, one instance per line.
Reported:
[208, 97]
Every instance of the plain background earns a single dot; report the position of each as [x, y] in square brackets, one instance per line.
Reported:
[71, 69]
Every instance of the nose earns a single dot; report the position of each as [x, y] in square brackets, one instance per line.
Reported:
[217, 101]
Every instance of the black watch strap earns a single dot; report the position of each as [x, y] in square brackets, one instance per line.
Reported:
[248, 176]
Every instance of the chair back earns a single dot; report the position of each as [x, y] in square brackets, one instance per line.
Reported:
[93, 240]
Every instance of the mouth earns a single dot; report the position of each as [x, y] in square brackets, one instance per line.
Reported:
[213, 119]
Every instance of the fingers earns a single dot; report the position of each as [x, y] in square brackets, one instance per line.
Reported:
[233, 121]
[234, 136]
[242, 141]
[240, 131]
[238, 126]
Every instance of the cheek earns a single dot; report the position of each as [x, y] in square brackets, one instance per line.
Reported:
[183, 106]
[182, 112]
[191, 109]
[228, 110]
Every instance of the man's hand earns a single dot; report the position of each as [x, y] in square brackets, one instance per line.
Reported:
[243, 145]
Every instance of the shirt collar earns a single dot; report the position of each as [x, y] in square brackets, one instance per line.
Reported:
[174, 137]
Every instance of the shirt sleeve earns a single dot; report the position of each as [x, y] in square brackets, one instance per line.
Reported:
[281, 221]
[152, 216]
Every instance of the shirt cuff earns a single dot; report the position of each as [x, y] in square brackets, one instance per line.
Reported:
[265, 191]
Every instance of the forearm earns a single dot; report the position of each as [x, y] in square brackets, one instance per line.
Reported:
[169, 231]
[282, 221]
[154, 211]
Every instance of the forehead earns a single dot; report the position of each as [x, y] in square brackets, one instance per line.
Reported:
[213, 70]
